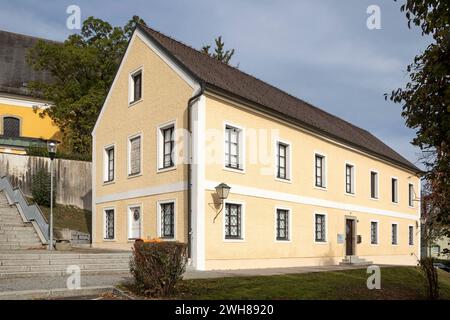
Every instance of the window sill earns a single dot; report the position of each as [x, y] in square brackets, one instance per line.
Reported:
[161, 170]
[109, 240]
[321, 188]
[133, 103]
[234, 240]
[283, 241]
[350, 194]
[320, 242]
[283, 180]
[131, 176]
[374, 199]
[241, 171]
[105, 183]
[168, 239]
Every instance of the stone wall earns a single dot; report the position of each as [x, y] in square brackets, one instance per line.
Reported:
[73, 178]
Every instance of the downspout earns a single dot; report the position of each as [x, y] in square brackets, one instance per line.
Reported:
[189, 179]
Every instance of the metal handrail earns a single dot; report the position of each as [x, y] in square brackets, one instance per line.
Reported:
[31, 212]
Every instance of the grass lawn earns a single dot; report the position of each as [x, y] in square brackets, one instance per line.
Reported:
[396, 283]
[69, 217]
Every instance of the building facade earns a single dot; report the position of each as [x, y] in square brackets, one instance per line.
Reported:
[20, 126]
[307, 188]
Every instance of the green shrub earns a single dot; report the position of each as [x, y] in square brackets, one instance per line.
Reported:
[157, 267]
[38, 151]
[40, 188]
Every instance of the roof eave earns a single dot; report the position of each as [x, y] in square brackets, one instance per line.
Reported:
[222, 92]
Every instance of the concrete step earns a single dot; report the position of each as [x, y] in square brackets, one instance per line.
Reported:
[18, 228]
[46, 255]
[18, 231]
[355, 261]
[14, 236]
[19, 246]
[36, 262]
[20, 243]
[44, 268]
[11, 224]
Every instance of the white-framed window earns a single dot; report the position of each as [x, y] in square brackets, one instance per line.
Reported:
[320, 227]
[234, 148]
[134, 222]
[234, 221]
[109, 164]
[109, 224]
[166, 146]
[411, 195]
[373, 232]
[282, 224]
[411, 235]
[374, 184]
[283, 160]
[349, 178]
[394, 234]
[394, 190]
[167, 219]
[320, 170]
[135, 155]
[135, 86]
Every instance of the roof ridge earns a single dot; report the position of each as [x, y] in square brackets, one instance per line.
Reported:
[29, 36]
[296, 103]
[254, 77]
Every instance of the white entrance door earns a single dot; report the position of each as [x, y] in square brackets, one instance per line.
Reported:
[134, 222]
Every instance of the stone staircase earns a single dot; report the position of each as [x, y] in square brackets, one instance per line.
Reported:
[45, 263]
[14, 232]
[354, 260]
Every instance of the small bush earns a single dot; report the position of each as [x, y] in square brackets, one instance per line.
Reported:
[157, 267]
[40, 188]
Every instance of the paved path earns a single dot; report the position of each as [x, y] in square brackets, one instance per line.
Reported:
[59, 282]
[112, 279]
[265, 272]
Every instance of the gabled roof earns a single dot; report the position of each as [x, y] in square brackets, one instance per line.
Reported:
[225, 79]
[15, 72]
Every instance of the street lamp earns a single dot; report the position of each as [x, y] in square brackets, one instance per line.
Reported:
[222, 191]
[51, 148]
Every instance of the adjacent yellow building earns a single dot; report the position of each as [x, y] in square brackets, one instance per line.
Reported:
[306, 188]
[20, 126]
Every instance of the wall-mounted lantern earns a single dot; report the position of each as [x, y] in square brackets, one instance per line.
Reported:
[222, 190]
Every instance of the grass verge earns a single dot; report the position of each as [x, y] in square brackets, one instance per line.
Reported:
[397, 283]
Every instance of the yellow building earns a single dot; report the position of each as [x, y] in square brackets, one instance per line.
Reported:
[307, 188]
[20, 126]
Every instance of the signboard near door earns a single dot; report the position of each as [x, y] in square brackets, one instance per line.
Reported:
[134, 220]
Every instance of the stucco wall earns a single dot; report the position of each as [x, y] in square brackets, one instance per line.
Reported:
[31, 124]
[164, 99]
[73, 178]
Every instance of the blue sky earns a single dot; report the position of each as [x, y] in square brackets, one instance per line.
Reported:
[320, 51]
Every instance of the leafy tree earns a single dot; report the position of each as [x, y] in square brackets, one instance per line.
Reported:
[82, 68]
[219, 52]
[426, 99]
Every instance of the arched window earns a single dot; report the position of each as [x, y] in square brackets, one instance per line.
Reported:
[11, 127]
